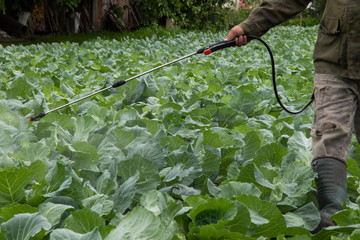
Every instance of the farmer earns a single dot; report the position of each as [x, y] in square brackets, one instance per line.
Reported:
[336, 89]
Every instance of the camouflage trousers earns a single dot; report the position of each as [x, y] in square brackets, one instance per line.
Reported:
[337, 115]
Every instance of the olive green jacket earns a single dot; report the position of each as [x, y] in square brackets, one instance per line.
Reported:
[337, 49]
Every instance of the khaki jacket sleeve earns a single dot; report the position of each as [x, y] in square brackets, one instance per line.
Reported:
[271, 13]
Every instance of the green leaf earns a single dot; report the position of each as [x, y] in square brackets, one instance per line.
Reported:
[212, 139]
[57, 180]
[212, 188]
[35, 151]
[209, 165]
[222, 214]
[6, 144]
[8, 117]
[84, 221]
[149, 176]
[61, 234]
[39, 169]
[257, 219]
[99, 203]
[104, 183]
[151, 88]
[172, 142]
[353, 168]
[83, 127]
[252, 145]
[7, 161]
[162, 205]
[53, 212]
[355, 234]
[127, 115]
[326, 233]
[346, 217]
[19, 88]
[297, 180]
[8, 211]
[12, 184]
[180, 191]
[184, 167]
[149, 150]
[234, 189]
[213, 211]
[263, 210]
[301, 145]
[24, 226]
[150, 226]
[271, 153]
[125, 193]
[213, 232]
[244, 102]
[84, 155]
[233, 170]
[131, 91]
[261, 180]
[302, 220]
[226, 116]
[123, 137]
[225, 137]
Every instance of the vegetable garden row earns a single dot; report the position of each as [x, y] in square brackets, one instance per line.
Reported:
[196, 150]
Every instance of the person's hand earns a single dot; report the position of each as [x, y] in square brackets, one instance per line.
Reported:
[237, 33]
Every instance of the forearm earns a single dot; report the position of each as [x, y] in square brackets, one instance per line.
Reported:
[270, 14]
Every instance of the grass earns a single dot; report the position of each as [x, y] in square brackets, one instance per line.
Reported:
[78, 38]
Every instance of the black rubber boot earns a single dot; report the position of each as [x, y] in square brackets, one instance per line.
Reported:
[331, 184]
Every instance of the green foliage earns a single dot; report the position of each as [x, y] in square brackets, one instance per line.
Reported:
[187, 14]
[235, 17]
[197, 150]
[2, 6]
[306, 22]
[211, 15]
[250, 3]
[196, 14]
[17, 5]
[155, 10]
[310, 16]
[24, 226]
[71, 4]
[319, 7]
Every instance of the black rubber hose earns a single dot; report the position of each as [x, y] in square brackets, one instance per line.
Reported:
[274, 79]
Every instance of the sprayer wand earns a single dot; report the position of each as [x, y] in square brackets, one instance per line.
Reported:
[115, 85]
[206, 50]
